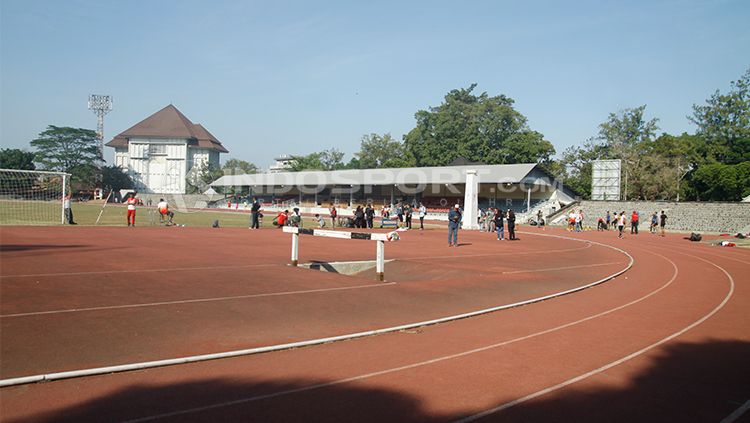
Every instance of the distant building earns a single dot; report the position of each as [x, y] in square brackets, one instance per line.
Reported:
[283, 164]
[159, 151]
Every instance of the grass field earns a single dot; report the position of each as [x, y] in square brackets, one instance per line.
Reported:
[114, 215]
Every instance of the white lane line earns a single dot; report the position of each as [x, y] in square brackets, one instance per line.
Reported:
[408, 366]
[236, 353]
[173, 269]
[718, 254]
[243, 266]
[737, 413]
[502, 253]
[614, 363]
[550, 269]
[197, 300]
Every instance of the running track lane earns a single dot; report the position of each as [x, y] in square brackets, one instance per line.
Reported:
[455, 370]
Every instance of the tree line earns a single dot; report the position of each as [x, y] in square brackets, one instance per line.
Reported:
[711, 164]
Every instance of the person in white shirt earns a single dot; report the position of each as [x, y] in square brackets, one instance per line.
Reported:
[68, 210]
[422, 214]
[131, 202]
[320, 220]
[621, 224]
[164, 212]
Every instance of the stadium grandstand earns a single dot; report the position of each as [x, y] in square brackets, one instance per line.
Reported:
[525, 188]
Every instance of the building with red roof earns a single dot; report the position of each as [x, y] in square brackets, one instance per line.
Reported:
[161, 150]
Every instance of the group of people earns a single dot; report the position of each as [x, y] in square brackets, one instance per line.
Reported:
[166, 216]
[285, 218]
[575, 220]
[364, 217]
[493, 220]
[658, 223]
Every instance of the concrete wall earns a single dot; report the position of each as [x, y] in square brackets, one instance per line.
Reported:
[683, 216]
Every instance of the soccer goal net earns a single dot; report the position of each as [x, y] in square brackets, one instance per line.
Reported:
[30, 197]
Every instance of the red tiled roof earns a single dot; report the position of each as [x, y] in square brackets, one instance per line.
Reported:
[169, 123]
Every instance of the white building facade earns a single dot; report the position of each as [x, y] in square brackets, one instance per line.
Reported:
[160, 151]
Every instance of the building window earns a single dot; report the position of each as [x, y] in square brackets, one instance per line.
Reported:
[157, 150]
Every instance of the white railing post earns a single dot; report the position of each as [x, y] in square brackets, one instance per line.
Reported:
[380, 261]
[295, 249]
[64, 194]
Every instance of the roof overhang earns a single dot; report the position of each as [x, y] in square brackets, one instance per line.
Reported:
[510, 174]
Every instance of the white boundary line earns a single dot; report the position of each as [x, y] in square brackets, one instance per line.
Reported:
[279, 347]
[106, 272]
[614, 363]
[551, 269]
[197, 300]
[737, 413]
[413, 365]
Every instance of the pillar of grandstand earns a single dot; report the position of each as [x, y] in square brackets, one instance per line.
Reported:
[471, 203]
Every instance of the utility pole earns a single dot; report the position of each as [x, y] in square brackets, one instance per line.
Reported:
[100, 105]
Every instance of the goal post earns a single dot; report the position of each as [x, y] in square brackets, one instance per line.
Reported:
[33, 197]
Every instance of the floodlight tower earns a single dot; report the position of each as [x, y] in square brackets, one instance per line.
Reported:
[100, 105]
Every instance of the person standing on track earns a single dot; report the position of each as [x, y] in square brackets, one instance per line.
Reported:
[634, 223]
[499, 225]
[454, 222]
[608, 220]
[654, 223]
[511, 225]
[334, 214]
[621, 224]
[132, 201]
[255, 214]
[369, 215]
[662, 223]
[422, 214]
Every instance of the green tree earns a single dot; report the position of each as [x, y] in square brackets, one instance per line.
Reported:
[309, 162]
[238, 167]
[383, 152]
[14, 158]
[724, 123]
[72, 150]
[627, 136]
[200, 177]
[721, 182]
[63, 148]
[331, 159]
[115, 178]
[575, 166]
[478, 128]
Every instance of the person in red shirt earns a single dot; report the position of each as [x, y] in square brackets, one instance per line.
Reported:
[131, 202]
[634, 223]
[281, 219]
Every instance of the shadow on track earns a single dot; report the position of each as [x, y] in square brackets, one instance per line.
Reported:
[686, 382]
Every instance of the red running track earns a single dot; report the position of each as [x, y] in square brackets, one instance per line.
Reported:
[666, 340]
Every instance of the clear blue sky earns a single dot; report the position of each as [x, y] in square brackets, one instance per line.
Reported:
[268, 78]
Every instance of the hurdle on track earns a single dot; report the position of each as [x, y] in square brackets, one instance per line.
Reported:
[380, 239]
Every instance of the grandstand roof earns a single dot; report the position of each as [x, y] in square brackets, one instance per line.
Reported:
[169, 123]
[511, 173]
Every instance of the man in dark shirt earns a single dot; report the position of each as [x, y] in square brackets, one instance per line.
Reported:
[662, 222]
[369, 215]
[499, 225]
[255, 214]
[454, 222]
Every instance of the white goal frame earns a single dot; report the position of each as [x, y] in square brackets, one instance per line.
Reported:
[32, 204]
